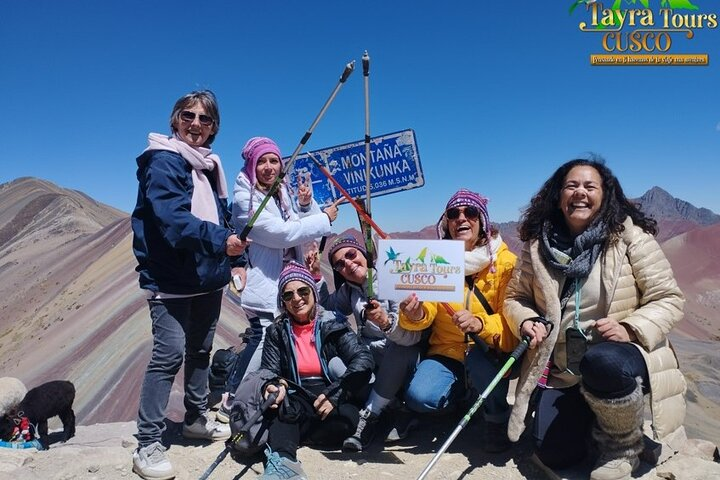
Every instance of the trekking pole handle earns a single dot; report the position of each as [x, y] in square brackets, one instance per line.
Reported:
[521, 348]
[348, 70]
[366, 64]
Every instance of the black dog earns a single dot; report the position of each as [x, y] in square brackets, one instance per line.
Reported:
[40, 404]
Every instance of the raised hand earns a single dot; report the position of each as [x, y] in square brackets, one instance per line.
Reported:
[332, 210]
[312, 259]
[305, 191]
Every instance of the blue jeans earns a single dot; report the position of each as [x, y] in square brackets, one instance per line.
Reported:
[181, 327]
[563, 419]
[398, 364]
[250, 358]
[439, 384]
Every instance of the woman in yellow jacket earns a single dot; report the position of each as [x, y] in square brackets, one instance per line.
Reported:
[439, 381]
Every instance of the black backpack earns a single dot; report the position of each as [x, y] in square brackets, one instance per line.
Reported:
[223, 361]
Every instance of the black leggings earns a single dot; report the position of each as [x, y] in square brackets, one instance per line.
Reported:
[286, 435]
[562, 417]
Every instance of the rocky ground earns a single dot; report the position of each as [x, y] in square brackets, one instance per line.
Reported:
[103, 451]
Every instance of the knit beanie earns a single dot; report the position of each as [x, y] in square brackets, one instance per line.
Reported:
[295, 271]
[467, 198]
[342, 242]
[255, 148]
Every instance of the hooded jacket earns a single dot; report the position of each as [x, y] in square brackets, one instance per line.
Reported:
[333, 338]
[640, 292]
[270, 236]
[176, 252]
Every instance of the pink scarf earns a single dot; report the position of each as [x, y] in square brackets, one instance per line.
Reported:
[203, 204]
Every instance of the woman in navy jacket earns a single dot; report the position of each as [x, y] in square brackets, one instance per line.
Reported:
[184, 247]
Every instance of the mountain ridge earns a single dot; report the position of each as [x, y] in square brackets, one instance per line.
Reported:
[72, 308]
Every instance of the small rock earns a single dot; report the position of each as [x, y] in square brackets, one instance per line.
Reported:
[93, 469]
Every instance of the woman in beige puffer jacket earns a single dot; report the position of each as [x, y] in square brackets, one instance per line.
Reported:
[597, 298]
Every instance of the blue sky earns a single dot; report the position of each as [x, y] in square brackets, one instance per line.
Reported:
[498, 96]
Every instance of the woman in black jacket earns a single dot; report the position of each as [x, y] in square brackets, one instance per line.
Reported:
[298, 349]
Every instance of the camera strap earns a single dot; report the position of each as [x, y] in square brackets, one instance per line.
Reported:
[576, 320]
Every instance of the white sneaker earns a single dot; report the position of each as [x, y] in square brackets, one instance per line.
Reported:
[151, 463]
[206, 428]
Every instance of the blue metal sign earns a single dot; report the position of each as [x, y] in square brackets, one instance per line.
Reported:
[394, 166]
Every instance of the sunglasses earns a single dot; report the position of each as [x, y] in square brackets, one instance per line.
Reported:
[303, 292]
[349, 256]
[187, 116]
[471, 213]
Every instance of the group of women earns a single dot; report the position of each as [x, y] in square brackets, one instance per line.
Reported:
[591, 293]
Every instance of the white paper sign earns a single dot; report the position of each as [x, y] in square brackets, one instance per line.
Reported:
[432, 269]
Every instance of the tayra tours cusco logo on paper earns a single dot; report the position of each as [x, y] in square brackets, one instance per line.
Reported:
[422, 271]
[632, 32]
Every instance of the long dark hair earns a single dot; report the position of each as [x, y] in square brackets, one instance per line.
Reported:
[614, 210]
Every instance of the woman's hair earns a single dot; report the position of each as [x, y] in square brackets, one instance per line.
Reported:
[615, 208]
[207, 99]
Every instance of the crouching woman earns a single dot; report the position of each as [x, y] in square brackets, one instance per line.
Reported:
[597, 297]
[298, 348]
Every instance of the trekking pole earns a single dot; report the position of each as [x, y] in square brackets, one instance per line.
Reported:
[238, 436]
[276, 184]
[366, 231]
[347, 196]
[514, 356]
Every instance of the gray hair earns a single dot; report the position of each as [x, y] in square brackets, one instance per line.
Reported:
[207, 99]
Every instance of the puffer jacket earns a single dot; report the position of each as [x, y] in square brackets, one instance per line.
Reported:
[641, 292]
[176, 252]
[351, 298]
[446, 338]
[270, 236]
[333, 338]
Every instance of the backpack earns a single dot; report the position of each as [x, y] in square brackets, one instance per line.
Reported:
[248, 426]
[223, 361]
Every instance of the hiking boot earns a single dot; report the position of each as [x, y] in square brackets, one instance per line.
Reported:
[206, 428]
[281, 468]
[615, 468]
[223, 413]
[364, 433]
[405, 421]
[495, 437]
[617, 432]
[151, 463]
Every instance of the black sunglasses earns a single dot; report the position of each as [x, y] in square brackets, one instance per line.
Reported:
[348, 257]
[471, 213]
[188, 116]
[288, 295]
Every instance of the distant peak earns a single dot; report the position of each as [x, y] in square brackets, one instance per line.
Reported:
[660, 204]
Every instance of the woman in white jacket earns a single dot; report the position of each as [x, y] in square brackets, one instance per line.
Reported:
[277, 236]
